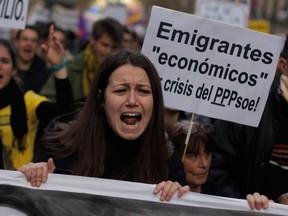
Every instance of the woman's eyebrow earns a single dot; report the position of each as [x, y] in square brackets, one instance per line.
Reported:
[144, 85]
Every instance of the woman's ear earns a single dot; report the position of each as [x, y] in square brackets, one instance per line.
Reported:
[282, 66]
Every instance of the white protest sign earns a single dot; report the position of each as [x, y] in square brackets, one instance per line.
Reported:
[67, 19]
[117, 11]
[38, 13]
[211, 68]
[235, 13]
[13, 13]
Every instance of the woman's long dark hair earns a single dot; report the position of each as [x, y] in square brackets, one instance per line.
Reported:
[10, 50]
[86, 135]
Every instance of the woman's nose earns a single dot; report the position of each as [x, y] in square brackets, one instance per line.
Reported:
[203, 161]
[132, 98]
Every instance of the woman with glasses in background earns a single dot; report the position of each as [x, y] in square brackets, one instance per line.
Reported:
[197, 159]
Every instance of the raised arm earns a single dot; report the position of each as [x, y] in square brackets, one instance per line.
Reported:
[54, 53]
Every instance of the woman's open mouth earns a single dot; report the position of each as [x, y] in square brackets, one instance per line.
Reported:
[131, 118]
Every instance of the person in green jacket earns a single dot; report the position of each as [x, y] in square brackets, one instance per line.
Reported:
[106, 37]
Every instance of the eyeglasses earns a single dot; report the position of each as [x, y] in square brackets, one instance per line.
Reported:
[183, 128]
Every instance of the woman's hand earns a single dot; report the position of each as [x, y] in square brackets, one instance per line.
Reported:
[168, 189]
[257, 201]
[283, 199]
[37, 173]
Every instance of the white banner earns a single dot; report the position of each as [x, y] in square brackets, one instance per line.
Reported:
[74, 195]
[13, 13]
[211, 68]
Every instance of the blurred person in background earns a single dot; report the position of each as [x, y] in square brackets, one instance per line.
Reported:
[21, 110]
[196, 158]
[31, 69]
[247, 159]
[130, 39]
[13, 36]
[106, 37]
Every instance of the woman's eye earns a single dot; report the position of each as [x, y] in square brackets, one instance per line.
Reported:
[192, 155]
[195, 155]
[207, 154]
[144, 91]
[120, 90]
[5, 61]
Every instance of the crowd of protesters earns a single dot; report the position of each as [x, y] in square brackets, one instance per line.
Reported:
[42, 79]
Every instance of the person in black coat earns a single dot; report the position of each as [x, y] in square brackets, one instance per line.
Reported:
[248, 159]
[197, 157]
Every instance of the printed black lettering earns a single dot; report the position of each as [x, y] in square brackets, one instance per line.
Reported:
[19, 9]
[6, 16]
[180, 35]
[202, 42]
[12, 10]
[161, 29]
[267, 58]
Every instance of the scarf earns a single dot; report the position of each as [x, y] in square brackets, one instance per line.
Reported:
[283, 87]
[12, 95]
[91, 66]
